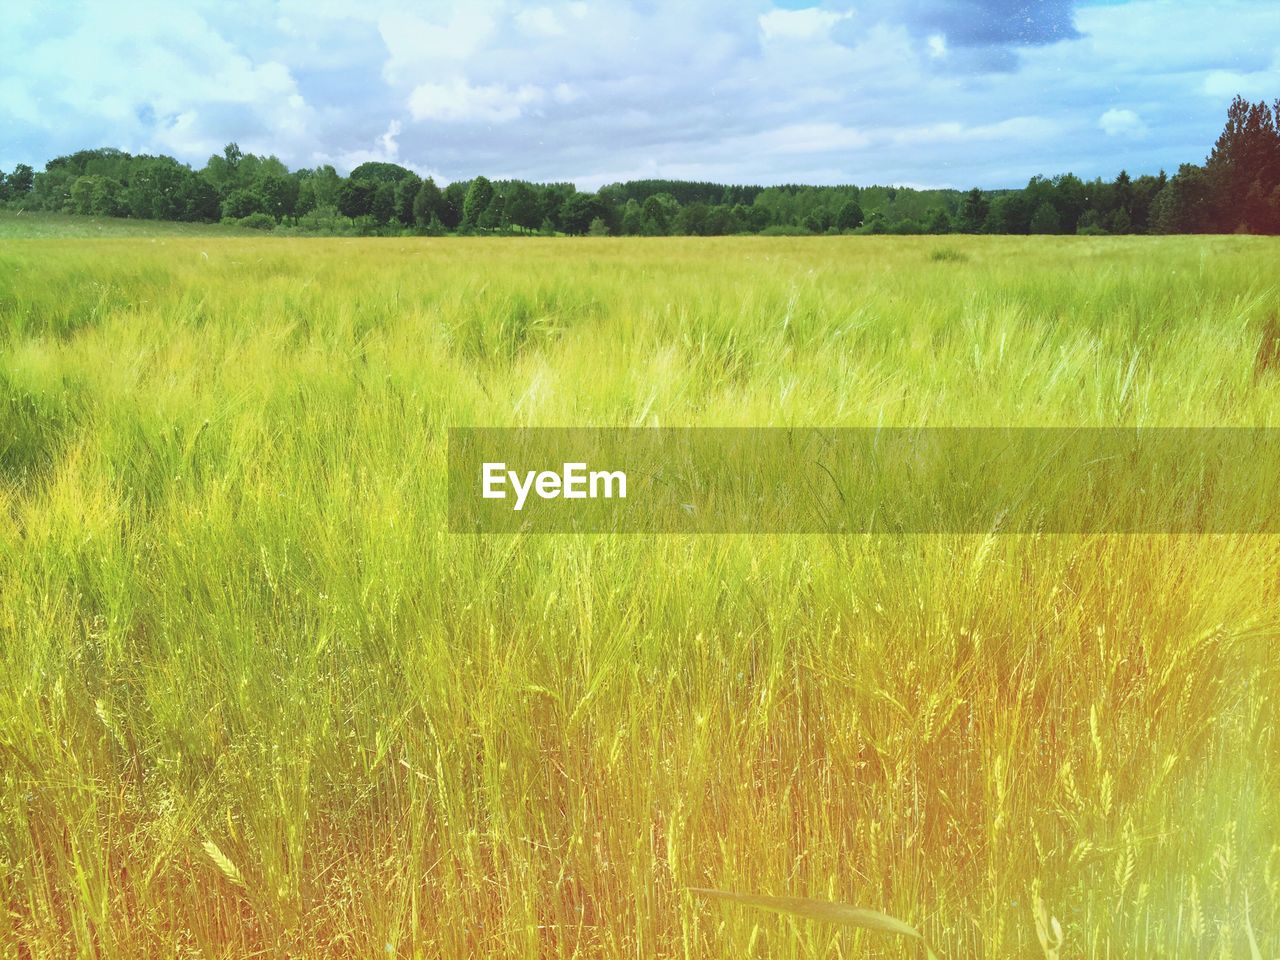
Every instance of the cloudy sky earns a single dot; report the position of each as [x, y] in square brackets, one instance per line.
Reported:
[921, 92]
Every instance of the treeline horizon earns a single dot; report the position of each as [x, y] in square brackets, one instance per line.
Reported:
[1236, 190]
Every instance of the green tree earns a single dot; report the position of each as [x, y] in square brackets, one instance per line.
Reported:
[105, 201]
[493, 215]
[428, 203]
[1069, 200]
[479, 196]
[937, 221]
[355, 198]
[657, 215]
[1009, 213]
[973, 212]
[199, 199]
[380, 172]
[161, 188]
[383, 207]
[82, 195]
[1244, 169]
[577, 212]
[21, 181]
[454, 197]
[241, 203]
[849, 216]
[522, 208]
[326, 185]
[306, 195]
[406, 194]
[632, 219]
[691, 220]
[1090, 224]
[1185, 205]
[1045, 219]
[278, 193]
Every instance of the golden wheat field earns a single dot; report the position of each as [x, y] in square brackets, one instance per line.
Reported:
[256, 701]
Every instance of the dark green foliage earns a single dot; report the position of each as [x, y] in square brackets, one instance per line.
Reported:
[937, 221]
[1185, 205]
[20, 182]
[382, 172]
[973, 212]
[96, 196]
[279, 194]
[355, 198]
[454, 196]
[850, 216]
[577, 212]
[383, 208]
[1244, 169]
[258, 221]
[406, 193]
[479, 196]
[1045, 219]
[522, 207]
[428, 203]
[242, 203]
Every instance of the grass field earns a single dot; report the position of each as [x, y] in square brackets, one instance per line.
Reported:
[255, 701]
[57, 226]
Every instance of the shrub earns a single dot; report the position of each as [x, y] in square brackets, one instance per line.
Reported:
[258, 221]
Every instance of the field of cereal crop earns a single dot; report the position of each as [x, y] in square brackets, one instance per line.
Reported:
[255, 700]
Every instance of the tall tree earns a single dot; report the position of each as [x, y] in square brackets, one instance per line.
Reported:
[1045, 219]
[20, 182]
[479, 196]
[454, 195]
[428, 203]
[355, 198]
[578, 211]
[522, 208]
[973, 212]
[1244, 169]
[383, 207]
[849, 216]
[406, 193]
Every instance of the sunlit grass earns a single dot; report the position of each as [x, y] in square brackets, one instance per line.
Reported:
[254, 700]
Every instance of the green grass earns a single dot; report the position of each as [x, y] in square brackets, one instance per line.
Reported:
[24, 225]
[255, 701]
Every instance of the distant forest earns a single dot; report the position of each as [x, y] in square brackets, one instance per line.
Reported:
[1236, 190]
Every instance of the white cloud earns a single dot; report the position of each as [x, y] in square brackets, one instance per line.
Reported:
[1122, 123]
[807, 23]
[385, 149]
[460, 101]
[950, 132]
[540, 22]
[740, 90]
[390, 148]
[803, 138]
[416, 45]
[1258, 84]
[187, 89]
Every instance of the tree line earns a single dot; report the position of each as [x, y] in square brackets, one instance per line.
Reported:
[1236, 189]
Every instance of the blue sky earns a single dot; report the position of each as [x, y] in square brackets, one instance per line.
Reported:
[921, 92]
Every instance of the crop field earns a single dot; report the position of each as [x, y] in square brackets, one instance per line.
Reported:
[257, 701]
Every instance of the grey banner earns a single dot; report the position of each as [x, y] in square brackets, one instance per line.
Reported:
[895, 480]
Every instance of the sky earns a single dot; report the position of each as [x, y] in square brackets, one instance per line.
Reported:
[928, 93]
